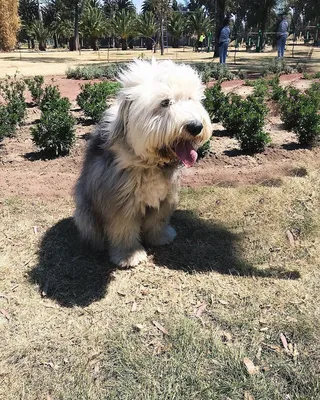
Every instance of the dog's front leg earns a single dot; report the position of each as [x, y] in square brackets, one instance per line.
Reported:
[124, 241]
[156, 229]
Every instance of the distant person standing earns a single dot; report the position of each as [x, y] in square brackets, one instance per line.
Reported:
[282, 35]
[201, 40]
[224, 39]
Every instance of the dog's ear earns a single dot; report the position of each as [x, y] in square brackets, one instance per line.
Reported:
[118, 129]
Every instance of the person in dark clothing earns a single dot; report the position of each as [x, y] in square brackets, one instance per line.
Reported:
[224, 39]
[282, 34]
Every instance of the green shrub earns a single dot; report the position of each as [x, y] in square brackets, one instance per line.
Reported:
[314, 93]
[212, 71]
[12, 91]
[35, 87]
[93, 98]
[289, 107]
[250, 133]
[6, 130]
[51, 97]
[307, 127]
[215, 102]
[277, 92]
[232, 117]
[54, 133]
[88, 72]
[244, 120]
[277, 66]
[204, 149]
[316, 75]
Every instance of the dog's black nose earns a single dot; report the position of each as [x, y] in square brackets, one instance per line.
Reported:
[194, 128]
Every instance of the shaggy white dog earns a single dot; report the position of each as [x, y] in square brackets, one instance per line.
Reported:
[128, 187]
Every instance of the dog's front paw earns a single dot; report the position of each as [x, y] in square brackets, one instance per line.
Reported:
[126, 258]
[160, 238]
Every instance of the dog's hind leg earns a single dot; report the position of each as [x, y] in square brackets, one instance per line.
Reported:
[125, 248]
[156, 229]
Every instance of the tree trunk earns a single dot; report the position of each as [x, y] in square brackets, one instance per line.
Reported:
[161, 36]
[55, 39]
[124, 44]
[42, 45]
[94, 44]
[220, 13]
[149, 43]
[76, 28]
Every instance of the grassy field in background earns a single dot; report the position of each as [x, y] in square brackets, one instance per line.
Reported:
[56, 62]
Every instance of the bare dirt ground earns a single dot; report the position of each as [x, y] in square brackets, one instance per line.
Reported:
[24, 173]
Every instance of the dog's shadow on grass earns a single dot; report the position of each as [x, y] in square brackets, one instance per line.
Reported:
[203, 245]
[73, 275]
[68, 271]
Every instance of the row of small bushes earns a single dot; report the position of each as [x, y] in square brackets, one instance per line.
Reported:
[244, 119]
[207, 70]
[54, 133]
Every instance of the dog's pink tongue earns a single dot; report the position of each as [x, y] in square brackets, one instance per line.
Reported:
[186, 153]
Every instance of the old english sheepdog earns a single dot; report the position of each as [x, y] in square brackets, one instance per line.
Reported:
[128, 187]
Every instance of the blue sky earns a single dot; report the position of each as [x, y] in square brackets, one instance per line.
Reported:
[138, 3]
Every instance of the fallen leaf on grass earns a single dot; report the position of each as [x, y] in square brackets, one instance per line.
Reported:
[248, 396]
[5, 313]
[223, 302]
[251, 368]
[290, 238]
[284, 341]
[200, 310]
[160, 327]
[44, 291]
[137, 327]
[226, 337]
[121, 293]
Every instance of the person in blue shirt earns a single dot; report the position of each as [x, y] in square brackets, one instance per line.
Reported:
[282, 35]
[224, 39]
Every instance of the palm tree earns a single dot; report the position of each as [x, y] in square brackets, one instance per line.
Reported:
[176, 28]
[147, 5]
[112, 6]
[39, 32]
[124, 26]
[93, 25]
[28, 12]
[162, 10]
[199, 23]
[147, 27]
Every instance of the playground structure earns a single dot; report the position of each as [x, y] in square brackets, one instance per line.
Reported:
[258, 40]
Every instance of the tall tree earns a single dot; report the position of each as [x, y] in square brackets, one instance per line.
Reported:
[199, 23]
[162, 10]
[124, 26]
[76, 8]
[9, 24]
[176, 28]
[40, 32]
[147, 27]
[93, 24]
[28, 12]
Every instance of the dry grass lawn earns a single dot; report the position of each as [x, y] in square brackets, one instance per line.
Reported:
[52, 62]
[180, 327]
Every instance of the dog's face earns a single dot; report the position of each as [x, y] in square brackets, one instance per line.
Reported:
[161, 111]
